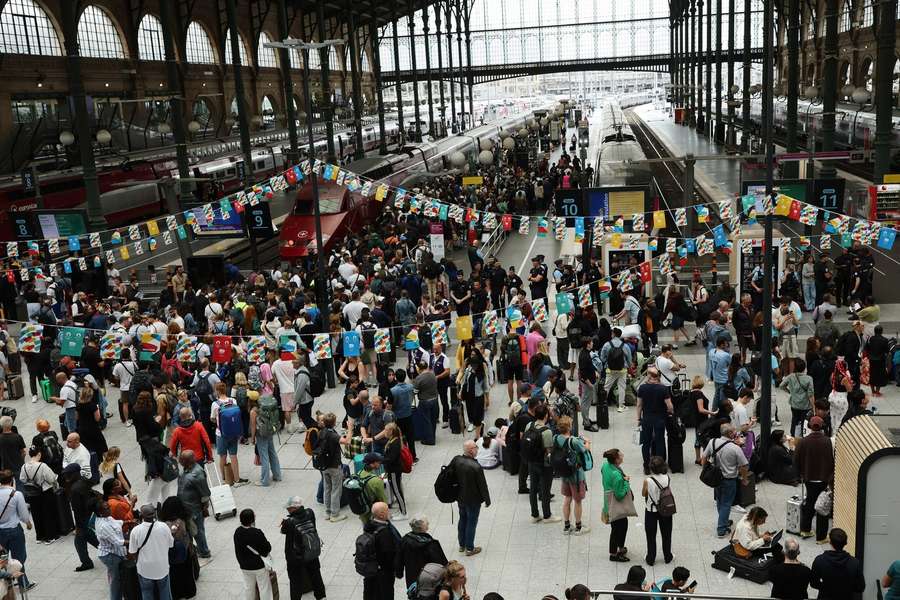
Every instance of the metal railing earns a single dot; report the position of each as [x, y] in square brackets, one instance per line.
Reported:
[674, 594]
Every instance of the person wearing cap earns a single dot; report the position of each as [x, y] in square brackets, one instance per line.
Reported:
[373, 488]
[814, 462]
[299, 571]
[537, 278]
[151, 542]
[489, 449]
[14, 513]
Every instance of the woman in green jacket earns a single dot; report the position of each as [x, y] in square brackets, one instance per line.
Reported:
[617, 482]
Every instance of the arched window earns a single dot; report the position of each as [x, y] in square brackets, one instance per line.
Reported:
[242, 48]
[845, 19]
[315, 60]
[97, 36]
[364, 65]
[150, 39]
[867, 74]
[811, 24]
[26, 29]
[267, 112]
[868, 16]
[199, 49]
[265, 56]
[296, 58]
[332, 59]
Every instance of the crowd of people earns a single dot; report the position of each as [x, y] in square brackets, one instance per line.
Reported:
[188, 413]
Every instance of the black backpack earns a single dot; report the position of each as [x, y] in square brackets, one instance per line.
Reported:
[365, 559]
[711, 474]
[563, 459]
[615, 360]
[142, 381]
[321, 455]
[512, 352]
[316, 380]
[52, 452]
[305, 543]
[368, 334]
[357, 497]
[203, 390]
[533, 443]
[574, 333]
[446, 486]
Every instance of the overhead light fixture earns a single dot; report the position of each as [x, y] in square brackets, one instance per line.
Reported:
[107, 84]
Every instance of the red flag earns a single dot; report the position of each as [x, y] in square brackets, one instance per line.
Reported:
[290, 176]
[646, 276]
[506, 220]
[221, 349]
[795, 210]
[470, 215]
[238, 207]
[10, 276]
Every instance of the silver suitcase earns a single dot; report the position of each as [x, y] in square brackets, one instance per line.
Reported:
[221, 499]
[792, 515]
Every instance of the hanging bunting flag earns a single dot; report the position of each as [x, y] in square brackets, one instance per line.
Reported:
[256, 349]
[34, 248]
[619, 225]
[186, 349]
[464, 326]
[151, 243]
[794, 211]
[225, 208]
[886, 238]
[171, 223]
[825, 242]
[539, 310]
[804, 243]
[625, 282]
[680, 217]
[411, 341]
[542, 227]
[97, 262]
[506, 221]
[725, 212]
[138, 248]
[690, 246]
[489, 221]
[67, 266]
[457, 213]
[221, 350]
[735, 225]
[111, 346]
[366, 192]
[659, 219]
[439, 333]
[846, 240]
[293, 175]
[352, 343]
[471, 215]
[598, 232]
[110, 257]
[180, 231]
[152, 228]
[12, 249]
[706, 247]
[579, 230]
[489, 323]
[637, 222]
[559, 228]
[23, 274]
[616, 240]
[71, 341]
[167, 238]
[150, 345]
[808, 215]
[515, 319]
[524, 225]
[563, 303]
[381, 193]
[322, 346]
[767, 204]
[670, 245]
[632, 243]
[82, 263]
[134, 232]
[605, 287]
[748, 202]
[123, 252]
[432, 209]
[413, 205]
[584, 296]
[646, 275]
[382, 341]
[74, 243]
[746, 246]
[702, 214]
[719, 236]
[30, 336]
[53, 246]
[327, 171]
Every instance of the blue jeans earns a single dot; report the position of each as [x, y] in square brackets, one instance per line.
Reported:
[725, 494]
[268, 459]
[200, 538]
[13, 539]
[809, 295]
[653, 437]
[71, 420]
[160, 586]
[718, 397]
[468, 521]
[112, 562]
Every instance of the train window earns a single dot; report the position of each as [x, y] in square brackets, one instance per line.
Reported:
[229, 172]
[260, 164]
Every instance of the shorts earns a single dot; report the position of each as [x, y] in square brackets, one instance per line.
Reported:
[226, 445]
[577, 491]
[287, 402]
[789, 346]
[516, 372]
[573, 355]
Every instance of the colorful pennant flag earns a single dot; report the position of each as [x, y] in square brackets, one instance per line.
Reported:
[382, 341]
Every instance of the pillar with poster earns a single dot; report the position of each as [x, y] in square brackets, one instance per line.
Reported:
[746, 262]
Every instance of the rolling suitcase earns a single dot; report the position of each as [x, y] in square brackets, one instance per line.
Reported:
[15, 388]
[602, 408]
[422, 426]
[501, 371]
[755, 569]
[792, 515]
[674, 446]
[64, 516]
[746, 494]
[63, 430]
[221, 500]
[510, 461]
[457, 419]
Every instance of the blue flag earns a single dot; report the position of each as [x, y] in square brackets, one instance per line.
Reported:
[719, 237]
[886, 238]
[74, 244]
[351, 343]
[690, 246]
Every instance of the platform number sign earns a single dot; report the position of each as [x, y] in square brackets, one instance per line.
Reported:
[28, 184]
[260, 221]
[569, 205]
[22, 227]
[829, 194]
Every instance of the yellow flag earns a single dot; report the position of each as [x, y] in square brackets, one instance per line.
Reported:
[616, 240]
[152, 228]
[659, 219]
[123, 251]
[381, 192]
[783, 205]
[464, 327]
[334, 173]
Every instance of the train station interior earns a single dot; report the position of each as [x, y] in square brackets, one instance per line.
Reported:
[302, 158]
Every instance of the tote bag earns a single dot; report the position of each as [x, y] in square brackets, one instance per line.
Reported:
[620, 509]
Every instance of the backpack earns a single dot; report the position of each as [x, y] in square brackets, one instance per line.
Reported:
[365, 559]
[665, 507]
[240, 395]
[563, 458]
[169, 469]
[203, 390]
[316, 380]
[31, 489]
[406, 459]
[427, 583]
[357, 497]
[321, 454]
[305, 544]
[368, 334]
[615, 360]
[230, 424]
[311, 440]
[573, 331]
[268, 417]
[512, 352]
[446, 486]
[178, 553]
[254, 381]
[52, 453]
[533, 443]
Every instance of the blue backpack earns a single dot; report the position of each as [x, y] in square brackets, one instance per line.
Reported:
[230, 421]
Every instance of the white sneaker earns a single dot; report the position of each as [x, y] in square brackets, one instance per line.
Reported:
[536, 519]
[301, 428]
[33, 399]
[470, 428]
[584, 529]
[620, 408]
[337, 518]
[553, 519]
[128, 423]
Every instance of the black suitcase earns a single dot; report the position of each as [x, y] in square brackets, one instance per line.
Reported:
[62, 427]
[64, 516]
[501, 371]
[456, 418]
[746, 494]
[755, 569]
[128, 580]
[422, 426]
[15, 388]
[510, 461]
[674, 445]
[602, 408]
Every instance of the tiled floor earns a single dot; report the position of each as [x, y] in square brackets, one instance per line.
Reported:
[520, 560]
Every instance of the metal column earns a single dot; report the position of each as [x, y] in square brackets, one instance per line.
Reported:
[765, 402]
[82, 119]
[709, 61]
[829, 83]
[453, 126]
[437, 33]
[243, 123]
[884, 78]
[356, 81]
[428, 73]
[285, 60]
[745, 109]
[379, 93]
[720, 126]
[398, 83]
[692, 57]
[415, 74]
[730, 134]
[701, 117]
[466, 14]
[688, 191]
[792, 168]
[327, 108]
[462, 93]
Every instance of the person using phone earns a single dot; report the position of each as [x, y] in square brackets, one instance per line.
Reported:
[677, 583]
[747, 540]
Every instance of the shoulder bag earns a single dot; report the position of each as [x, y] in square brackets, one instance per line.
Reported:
[620, 509]
[711, 475]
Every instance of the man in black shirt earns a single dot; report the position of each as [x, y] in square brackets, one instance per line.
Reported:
[12, 447]
[537, 279]
[481, 303]
[654, 403]
[790, 579]
[520, 423]
[513, 282]
[250, 546]
[461, 294]
[842, 265]
[497, 278]
[90, 359]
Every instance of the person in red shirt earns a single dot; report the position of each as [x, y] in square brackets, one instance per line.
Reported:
[190, 435]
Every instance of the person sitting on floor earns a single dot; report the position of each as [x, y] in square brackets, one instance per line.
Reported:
[747, 541]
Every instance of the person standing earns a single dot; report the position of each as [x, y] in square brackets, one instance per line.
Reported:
[574, 486]
[615, 357]
[43, 506]
[393, 467]
[264, 420]
[790, 579]
[725, 453]
[835, 573]
[285, 372]
[226, 442]
[719, 362]
[654, 404]
[251, 548]
[417, 549]
[151, 542]
[473, 492]
[658, 481]
[12, 515]
[12, 449]
[382, 544]
[801, 390]
[332, 475]
[193, 489]
[84, 502]
[587, 379]
[814, 462]
[111, 548]
[302, 562]
[615, 483]
[440, 365]
[538, 443]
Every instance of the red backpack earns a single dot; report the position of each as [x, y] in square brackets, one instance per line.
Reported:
[406, 459]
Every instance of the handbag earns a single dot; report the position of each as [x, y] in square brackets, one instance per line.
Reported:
[824, 503]
[273, 583]
[619, 509]
[711, 475]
